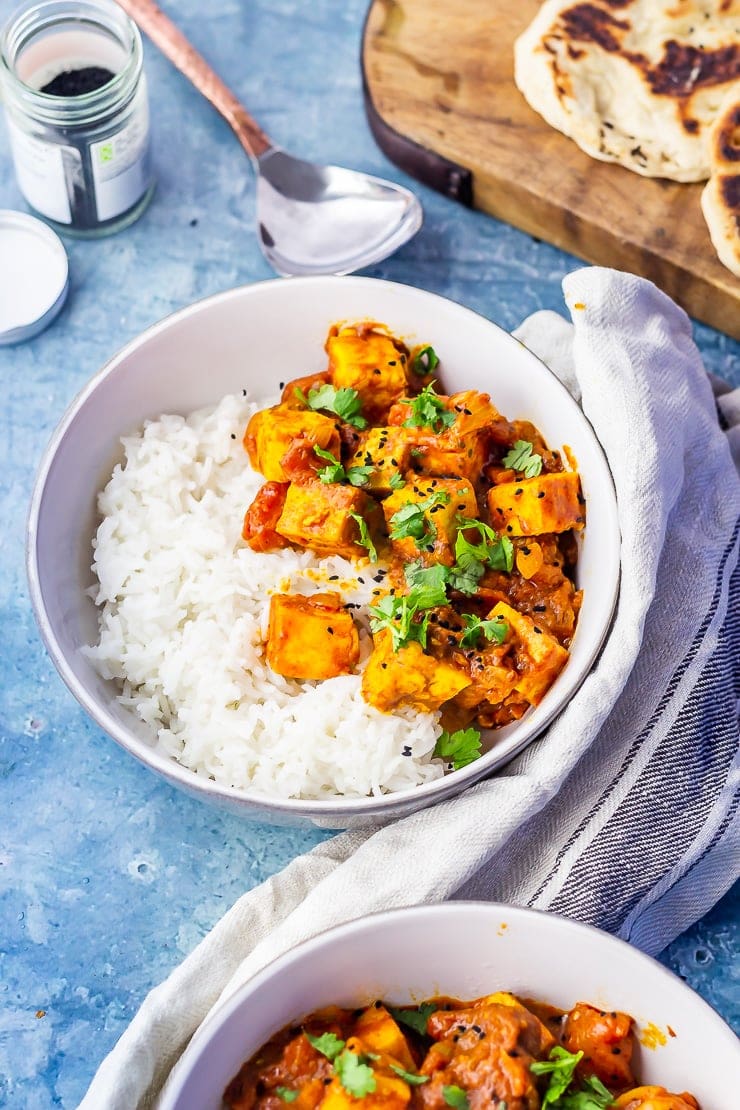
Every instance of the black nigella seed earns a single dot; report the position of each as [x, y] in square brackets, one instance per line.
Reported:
[281, 385]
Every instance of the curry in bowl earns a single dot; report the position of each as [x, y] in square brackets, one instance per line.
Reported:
[498, 1052]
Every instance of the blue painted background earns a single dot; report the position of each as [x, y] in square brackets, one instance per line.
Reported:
[108, 877]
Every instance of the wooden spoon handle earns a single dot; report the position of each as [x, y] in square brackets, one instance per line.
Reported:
[173, 44]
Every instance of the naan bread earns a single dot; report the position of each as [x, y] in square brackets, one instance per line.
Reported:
[720, 199]
[637, 82]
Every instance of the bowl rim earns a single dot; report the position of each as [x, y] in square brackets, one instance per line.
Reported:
[176, 773]
[223, 1012]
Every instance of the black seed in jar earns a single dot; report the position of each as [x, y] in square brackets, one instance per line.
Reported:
[77, 82]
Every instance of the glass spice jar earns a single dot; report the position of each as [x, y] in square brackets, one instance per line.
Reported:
[72, 81]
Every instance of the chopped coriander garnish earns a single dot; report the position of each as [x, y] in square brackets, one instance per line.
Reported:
[560, 1066]
[410, 1078]
[458, 748]
[496, 629]
[354, 1074]
[428, 585]
[465, 575]
[411, 520]
[397, 480]
[415, 1019]
[335, 472]
[365, 539]
[520, 457]
[328, 1044]
[456, 1097]
[592, 1096]
[346, 403]
[397, 614]
[425, 361]
[494, 551]
[286, 1094]
[332, 473]
[428, 410]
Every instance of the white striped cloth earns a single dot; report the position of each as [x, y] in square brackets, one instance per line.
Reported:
[625, 814]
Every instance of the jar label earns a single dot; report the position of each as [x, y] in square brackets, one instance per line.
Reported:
[120, 166]
[42, 170]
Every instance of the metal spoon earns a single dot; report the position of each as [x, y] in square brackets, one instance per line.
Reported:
[311, 219]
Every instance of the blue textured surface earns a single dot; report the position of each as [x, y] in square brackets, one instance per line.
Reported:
[108, 877]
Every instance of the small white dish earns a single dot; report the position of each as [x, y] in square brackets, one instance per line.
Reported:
[255, 337]
[34, 276]
[465, 950]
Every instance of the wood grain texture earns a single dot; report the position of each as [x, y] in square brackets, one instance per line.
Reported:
[440, 75]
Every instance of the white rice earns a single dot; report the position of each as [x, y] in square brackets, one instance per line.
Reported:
[184, 605]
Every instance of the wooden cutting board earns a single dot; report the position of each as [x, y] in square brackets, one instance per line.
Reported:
[442, 104]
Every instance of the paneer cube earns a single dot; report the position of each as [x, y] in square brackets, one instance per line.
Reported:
[461, 449]
[539, 657]
[370, 362]
[311, 637]
[388, 452]
[381, 1033]
[438, 455]
[271, 432]
[429, 532]
[533, 506]
[408, 677]
[319, 516]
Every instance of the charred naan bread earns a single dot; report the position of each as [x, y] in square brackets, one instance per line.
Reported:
[720, 199]
[638, 82]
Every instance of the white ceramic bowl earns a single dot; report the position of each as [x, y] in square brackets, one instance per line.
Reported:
[465, 950]
[255, 337]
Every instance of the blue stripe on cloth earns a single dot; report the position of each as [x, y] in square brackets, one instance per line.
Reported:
[641, 843]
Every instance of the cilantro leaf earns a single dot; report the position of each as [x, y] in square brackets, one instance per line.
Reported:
[412, 522]
[456, 1097]
[365, 539]
[465, 575]
[332, 473]
[496, 629]
[416, 1019]
[592, 1096]
[425, 361]
[428, 585]
[328, 1044]
[358, 475]
[335, 472]
[355, 1076]
[458, 748]
[397, 480]
[286, 1094]
[409, 1077]
[494, 551]
[520, 457]
[428, 410]
[560, 1066]
[397, 614]
[346, 403]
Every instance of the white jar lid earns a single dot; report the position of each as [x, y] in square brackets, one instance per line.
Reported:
[34, 276]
